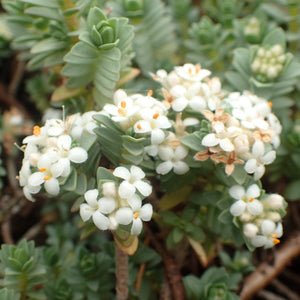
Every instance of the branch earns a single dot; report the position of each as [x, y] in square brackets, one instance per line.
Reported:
[121, 274]
[265, 273]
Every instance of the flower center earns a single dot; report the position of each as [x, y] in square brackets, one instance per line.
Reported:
[150, 93]
[270, 104]
[251, 199]
[123, 104]
[42, 169]
[139, 126]
[155, 116]
[36, 130]
[46, 177]
[136, 215]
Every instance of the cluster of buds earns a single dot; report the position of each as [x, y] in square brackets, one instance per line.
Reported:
[119, 202]
[253, 27]
[49, 152]
[268, 63]
[259, 218]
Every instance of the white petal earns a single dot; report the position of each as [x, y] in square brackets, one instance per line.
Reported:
[255, 207]
[85, 212]
[44, 162]
[237, 208]
[100, 220]
[250, 165]
[61, 168]
[181, 152]
[111, 109]
[253, 191]
[106, 205]
[157, 136]
[52, 186]
[64, 142]
[165, 153]
[259, 172]
[109, 189]
[237, 192]
[197, 103]
[91, 197]
[180, 167]
[78, 155]
[137, 173]
[126, 190]
[122, 173]
[124, 215]
[226, 145]
[258, 149]
[180, 104]
[210, 140]
[259, 241]
[279, 230]
[164, 167]
[36, 179]
[146, 212]
[267, 227]
[135, 202]
[269, 157]
[143, 187]
[250, 230]
[142, 127]
[136, 227]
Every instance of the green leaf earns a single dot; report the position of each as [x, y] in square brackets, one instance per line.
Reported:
[193, 141]
[45, 12]
[71, 182]
[45, 3]
[105, 174]
[95, 16]
[274, 37]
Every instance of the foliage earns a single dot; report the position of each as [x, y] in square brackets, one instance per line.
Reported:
[172, 113]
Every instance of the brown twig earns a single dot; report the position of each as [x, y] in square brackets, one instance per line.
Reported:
[16, 78]
[6, 232]
[265, 273]
[283, 289]
[121, 274]
[269, 295]
[172, 269]
[165, 291]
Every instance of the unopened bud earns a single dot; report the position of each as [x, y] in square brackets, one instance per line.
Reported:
[250, 230]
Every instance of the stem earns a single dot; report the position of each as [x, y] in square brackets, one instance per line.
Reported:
[121, 274]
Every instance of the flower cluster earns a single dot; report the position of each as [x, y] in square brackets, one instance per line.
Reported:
[260, 219]
[119, 203]
[49, 152]
[268, 63]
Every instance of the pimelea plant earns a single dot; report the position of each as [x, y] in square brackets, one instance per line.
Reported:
[162, 128]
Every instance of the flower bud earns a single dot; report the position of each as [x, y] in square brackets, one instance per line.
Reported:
[267, 227]
[250, 230]
[109, 189]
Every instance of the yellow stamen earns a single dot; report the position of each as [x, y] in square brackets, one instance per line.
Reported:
[46, 177]
[275, 236]
[150, 93]
[190, 71]
[251, 199]
[36, 130]
[197, 69]
[136, 215]
[120, 111]
[155, 116]
[270, 104]
[276, 241]
[42, 169]
[123, 104]
[139, 126]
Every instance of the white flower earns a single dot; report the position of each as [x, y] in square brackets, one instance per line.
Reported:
[66, 154]
[135, 214]
[97, 209]
[152, 122]
[246, 200]
[270, 235]
[172, 160]
[255, 165]
[132, 182]
[192, 72]
[82, 124]
[274, 201]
